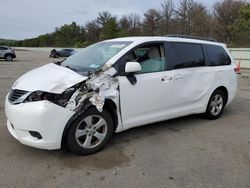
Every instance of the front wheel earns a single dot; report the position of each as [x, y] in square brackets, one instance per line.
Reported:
[215, 105]
[8, 58]
[90, 132]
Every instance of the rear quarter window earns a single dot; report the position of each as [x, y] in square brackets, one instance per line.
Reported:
[217, 55]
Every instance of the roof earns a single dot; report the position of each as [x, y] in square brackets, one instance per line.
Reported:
[165, 38]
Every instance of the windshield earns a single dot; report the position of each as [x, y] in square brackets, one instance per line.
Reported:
[93, 57]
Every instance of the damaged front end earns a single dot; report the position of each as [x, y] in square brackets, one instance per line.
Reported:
[96, 89]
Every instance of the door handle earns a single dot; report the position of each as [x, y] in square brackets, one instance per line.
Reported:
[166, 78]
[178, 77]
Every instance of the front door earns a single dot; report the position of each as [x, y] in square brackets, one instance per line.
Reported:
[151, 98]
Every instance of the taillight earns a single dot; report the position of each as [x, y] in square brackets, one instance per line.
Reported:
[237, 70]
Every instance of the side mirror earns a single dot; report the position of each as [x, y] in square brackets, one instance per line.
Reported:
[132, 67]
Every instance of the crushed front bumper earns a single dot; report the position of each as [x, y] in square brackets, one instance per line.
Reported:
[43, 117]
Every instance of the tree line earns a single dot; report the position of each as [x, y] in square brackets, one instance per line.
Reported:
[228, 21]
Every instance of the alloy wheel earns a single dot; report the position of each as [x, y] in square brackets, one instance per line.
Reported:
[91, 131]
[216, 104]
[8, 58]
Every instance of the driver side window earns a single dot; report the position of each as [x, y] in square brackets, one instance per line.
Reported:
[150, 56]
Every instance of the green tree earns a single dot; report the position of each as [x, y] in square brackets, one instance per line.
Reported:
[241, 28]
[226, 13]
[103, 18]
[92, 32]
[130, 25]
[110, 29]
[151, 22]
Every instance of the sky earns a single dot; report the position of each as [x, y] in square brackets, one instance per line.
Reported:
[21, 19]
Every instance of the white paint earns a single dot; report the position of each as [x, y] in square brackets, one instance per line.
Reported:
[43, 116]
[155, 97]
[132, 67]
[107, 86]
[50, 78]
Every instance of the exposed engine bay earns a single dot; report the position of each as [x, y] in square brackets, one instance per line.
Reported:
[95, 89]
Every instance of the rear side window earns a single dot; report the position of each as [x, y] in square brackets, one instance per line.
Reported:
[217, 55]
[184, 55]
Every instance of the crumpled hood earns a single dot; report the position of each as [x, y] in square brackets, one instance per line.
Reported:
[50, 78]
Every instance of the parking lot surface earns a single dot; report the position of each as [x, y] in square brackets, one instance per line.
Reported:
[184, 152]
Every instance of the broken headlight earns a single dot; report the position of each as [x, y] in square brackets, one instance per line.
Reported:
[39, 96]
[59, 99]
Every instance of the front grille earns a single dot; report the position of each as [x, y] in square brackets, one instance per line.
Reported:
[16, 94]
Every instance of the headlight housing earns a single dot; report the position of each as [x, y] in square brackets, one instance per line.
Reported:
[59, 99]
[38, 96]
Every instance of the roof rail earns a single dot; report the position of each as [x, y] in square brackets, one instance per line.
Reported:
[190, 37]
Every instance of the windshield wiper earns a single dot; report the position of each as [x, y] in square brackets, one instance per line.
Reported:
[71, 68]
[89, 72]
[59, 62]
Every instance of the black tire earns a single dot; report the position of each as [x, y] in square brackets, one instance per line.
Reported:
[8, 57]
[73, 142]
[210, 113]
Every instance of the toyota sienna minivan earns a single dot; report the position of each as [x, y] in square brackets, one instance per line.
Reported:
[118, 84]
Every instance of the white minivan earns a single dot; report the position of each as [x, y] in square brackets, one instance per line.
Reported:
[118, 84]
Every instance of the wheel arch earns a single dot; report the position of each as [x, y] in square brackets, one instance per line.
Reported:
[5, 55]
[109, 106]
[224, 90]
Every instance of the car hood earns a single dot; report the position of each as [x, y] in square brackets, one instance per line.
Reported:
[50, 78]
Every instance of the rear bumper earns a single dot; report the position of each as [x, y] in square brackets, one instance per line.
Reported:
[44, 117]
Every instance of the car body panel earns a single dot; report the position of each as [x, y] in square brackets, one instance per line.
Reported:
[49, 78]
[43, 116]
[191, 87]
[149, 100]
[66, 52]
[4, 50]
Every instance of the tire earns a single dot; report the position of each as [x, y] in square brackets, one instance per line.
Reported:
[8, 58]
[84, 137]
[216, 105]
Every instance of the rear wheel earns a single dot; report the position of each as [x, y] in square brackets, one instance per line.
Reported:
[8, 58]
[215, 105]
[90, 132]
